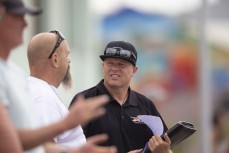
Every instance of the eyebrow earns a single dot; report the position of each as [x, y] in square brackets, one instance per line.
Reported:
[118, 61]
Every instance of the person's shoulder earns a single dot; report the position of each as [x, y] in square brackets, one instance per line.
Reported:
[143, 99]
[91, 92]
[13, 67]
[141, 96]
[39, 90]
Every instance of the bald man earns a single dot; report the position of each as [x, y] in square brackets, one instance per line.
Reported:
[49, 67]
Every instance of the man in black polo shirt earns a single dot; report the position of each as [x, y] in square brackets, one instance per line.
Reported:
[121, 122]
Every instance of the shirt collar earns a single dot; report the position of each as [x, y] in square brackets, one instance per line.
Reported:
[132, 98]
[103, 90]
[41, 82]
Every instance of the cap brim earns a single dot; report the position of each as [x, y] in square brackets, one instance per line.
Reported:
[24, 10]
[103, 57]
[18, 7]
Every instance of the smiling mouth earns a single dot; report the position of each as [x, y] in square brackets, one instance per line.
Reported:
[115, 76]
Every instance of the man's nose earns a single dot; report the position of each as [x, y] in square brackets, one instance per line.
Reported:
[115, 66]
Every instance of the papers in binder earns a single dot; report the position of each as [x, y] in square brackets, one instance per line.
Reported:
[153, 122]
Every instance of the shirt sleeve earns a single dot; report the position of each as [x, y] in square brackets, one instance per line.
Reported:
[3, 91]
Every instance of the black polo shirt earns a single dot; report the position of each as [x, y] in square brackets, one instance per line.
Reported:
[125, 134]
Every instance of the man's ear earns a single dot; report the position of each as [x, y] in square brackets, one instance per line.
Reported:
[103, 66]
[55, 60]
[135, 69]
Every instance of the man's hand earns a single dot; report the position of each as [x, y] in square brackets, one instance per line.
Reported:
[157, 145]
[84, 110]
[91, 147]
[135, 151]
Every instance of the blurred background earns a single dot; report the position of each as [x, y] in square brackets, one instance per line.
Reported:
[183, 56]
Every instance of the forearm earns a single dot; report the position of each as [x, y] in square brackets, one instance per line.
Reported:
[35, 137]
[89, 147]
[9, 142]
[53, 148]
[168, 151]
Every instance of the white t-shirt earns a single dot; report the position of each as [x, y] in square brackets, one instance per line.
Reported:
[14, 95]
[50, 109]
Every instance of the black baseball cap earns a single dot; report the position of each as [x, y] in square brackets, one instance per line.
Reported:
[120, 49]
[18, 7]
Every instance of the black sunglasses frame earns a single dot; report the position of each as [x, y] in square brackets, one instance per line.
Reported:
[59, 40]
[120, 52]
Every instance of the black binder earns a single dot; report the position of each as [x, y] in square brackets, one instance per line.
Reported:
[180, 131]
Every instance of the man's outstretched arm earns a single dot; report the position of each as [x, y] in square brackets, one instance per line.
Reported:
[90, 147]
[81, 112]
[9, 142]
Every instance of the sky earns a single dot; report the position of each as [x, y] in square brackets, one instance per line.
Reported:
[215, 30]
[167, 7]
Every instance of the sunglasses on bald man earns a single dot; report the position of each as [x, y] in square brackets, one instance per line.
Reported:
[59, 40]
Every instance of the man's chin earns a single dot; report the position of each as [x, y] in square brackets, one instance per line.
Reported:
[113, 83]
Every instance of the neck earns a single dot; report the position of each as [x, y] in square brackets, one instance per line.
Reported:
[119, 94]
[47, 79]
[4, 52]
[46, 74]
